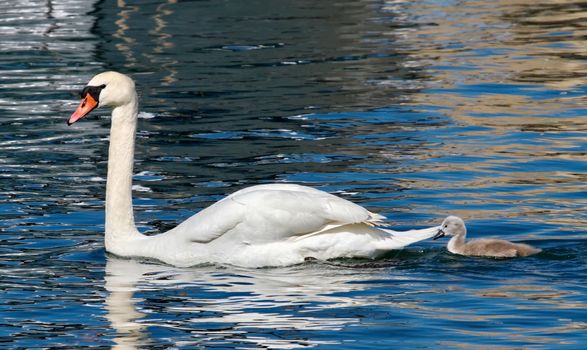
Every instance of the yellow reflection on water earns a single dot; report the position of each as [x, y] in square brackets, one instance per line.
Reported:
[508, 74]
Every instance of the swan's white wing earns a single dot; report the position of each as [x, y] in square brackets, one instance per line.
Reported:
[272, 212]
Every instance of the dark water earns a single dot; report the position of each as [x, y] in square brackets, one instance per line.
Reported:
[413, 109]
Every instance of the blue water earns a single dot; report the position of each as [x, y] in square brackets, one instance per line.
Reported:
[415, 110]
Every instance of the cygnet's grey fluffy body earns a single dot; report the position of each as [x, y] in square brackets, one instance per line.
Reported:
[498, 248]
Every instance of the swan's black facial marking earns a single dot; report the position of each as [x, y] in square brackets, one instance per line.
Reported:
[93, 91]
[90, 97]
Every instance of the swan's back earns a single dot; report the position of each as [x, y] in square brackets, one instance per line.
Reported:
[272, 212]
[498, 248]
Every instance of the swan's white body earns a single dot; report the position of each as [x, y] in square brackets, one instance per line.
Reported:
[265, 225]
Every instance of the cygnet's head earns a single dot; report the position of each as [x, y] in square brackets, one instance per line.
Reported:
[105, 89]
[451, 226]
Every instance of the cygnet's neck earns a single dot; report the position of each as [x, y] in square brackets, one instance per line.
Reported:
[457, 243]
[119, 212]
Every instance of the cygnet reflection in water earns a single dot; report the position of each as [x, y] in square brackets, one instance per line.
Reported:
[498, 248]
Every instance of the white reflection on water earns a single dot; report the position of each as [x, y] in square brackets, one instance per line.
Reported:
[245, 303]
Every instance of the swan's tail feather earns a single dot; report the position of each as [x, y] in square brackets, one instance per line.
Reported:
[405, 238]
[376, 220]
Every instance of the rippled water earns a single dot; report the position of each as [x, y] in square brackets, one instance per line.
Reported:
[415, 109]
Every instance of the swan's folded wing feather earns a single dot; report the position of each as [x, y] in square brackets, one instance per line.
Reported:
[210, 223]
[273, 212]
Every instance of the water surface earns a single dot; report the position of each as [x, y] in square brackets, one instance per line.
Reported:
[413, 109]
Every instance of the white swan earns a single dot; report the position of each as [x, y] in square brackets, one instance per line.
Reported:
[264, 225]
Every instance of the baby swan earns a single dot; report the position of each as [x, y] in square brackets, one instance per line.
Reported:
[498, 248]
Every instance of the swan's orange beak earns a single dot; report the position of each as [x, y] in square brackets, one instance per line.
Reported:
[87, 105]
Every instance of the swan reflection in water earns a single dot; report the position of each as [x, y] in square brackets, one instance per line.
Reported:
[209, 305]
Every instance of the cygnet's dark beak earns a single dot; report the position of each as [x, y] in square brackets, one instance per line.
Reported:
[439, 234]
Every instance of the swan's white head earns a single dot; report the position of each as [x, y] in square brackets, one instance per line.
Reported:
[451, 226]
[110, 89]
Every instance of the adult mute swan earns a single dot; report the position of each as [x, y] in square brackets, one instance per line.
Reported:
[264, 225]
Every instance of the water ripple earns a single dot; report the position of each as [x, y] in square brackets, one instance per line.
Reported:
[413, 109]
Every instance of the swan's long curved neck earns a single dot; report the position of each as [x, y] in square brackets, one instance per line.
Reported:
[456, 243]
[119, 212]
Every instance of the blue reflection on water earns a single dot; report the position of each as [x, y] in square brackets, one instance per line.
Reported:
[415, 110]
